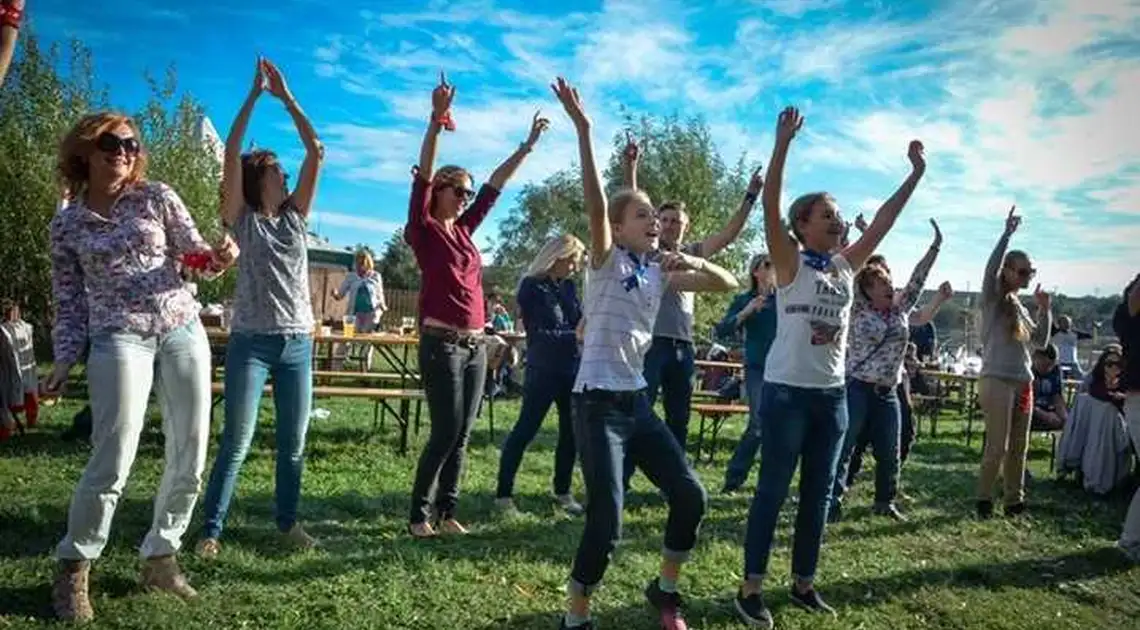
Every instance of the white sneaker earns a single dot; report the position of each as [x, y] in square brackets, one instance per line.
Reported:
[568, 503]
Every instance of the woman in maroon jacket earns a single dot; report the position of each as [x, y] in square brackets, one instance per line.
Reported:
[452, 358]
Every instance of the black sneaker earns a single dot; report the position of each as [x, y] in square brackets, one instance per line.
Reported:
[835, 513]
[890, 510]
[811, 602]
[589, 625]
[667, 605]
[985, 510]
[1017, 509]
[753, 611]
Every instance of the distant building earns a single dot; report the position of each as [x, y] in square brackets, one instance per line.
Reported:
[209, 138]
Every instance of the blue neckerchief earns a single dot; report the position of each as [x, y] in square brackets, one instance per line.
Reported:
[815, 260]
[638, 277]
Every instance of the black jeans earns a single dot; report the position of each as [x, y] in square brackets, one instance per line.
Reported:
[454, 371]
[541, 389]
[608, 426]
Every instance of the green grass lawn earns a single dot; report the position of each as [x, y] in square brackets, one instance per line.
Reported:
[940, 570]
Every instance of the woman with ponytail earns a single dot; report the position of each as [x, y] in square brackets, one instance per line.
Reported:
[1005, 388]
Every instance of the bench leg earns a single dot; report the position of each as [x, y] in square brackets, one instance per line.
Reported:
[700, 438]
[491, 416]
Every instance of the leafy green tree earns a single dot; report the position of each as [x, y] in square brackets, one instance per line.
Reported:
[398, 264]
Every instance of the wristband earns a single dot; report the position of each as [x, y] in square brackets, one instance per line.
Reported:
[445, 121]
[10, 16]
[750, 197]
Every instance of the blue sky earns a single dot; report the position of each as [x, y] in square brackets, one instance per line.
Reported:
[1021, 102]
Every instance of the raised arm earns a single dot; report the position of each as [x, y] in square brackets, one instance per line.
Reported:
[306, 189]
[922, 317]
[601, 237]
[990, 280]
[781, 248]
[859, 251]
[734, 317]
[908, 297]
[630, 158]
[507, 169]
[11, 12]
[690, 273]
[232, 197]
[1043, 319]
[713, 244]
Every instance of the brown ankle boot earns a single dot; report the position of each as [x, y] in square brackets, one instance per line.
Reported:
[69, 594]
[161, 573]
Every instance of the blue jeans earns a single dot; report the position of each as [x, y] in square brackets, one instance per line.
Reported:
[541, 389]
[669, 365]
[745, 455]
[875, 408]
[798, 424]
[608, 426]
[250, 360]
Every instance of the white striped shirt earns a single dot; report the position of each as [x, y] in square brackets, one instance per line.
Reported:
[620, 309]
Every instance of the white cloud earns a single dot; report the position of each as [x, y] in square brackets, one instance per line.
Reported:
[361, 222]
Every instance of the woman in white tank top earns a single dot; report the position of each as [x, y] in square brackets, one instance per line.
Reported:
[803, 402]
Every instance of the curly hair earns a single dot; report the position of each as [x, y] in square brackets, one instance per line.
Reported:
[867, 276]
[74, 163]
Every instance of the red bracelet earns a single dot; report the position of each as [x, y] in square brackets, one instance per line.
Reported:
[10, 16]
[446, 121]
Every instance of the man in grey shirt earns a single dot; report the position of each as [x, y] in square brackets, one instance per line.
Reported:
[669, 362]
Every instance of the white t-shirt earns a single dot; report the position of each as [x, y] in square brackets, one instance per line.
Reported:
[811, 327]
[622, 298]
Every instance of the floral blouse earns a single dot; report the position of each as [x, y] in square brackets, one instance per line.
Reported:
[877, 339]
[120, 273]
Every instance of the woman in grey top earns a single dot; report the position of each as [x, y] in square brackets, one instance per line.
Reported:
[1005, 389]
[271, 330]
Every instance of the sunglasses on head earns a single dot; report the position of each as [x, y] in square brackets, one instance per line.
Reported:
[108, 142]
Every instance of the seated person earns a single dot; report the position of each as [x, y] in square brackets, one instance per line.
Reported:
[1104, 383]
[1049, 410]
[912, 364]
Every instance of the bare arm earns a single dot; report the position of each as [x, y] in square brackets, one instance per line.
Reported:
[781, 248]
[507, 169]
[859, 251]
[990, 282]
[908, 297]
[922, 317]
[713, 244]
[601, 237]
[630, 159]
[689, 273]
[306, 188]
[232, 198]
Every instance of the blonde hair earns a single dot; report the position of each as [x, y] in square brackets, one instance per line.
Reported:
[364, 260]
[621, 200]
[801, 208]
[1009, 307]
[73, 166]
[555, 249]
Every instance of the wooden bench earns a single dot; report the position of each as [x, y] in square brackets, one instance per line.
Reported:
[385, 377]
[380, 397]
[716, 413]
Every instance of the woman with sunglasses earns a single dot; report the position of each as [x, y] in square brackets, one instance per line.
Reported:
[1126, 323]
[803, 405]
[753, 313]
[115, 251]
[452, 356]
[1005, 386]
[272, 323]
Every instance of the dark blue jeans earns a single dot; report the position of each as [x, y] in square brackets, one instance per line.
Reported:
[454, 374]
[798, 424]
[607, 427]
[876, 408]
[745, 455]
[541, 389]
[669, 366]
[250, 360]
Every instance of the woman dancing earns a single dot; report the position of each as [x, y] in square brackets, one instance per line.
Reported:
[803, 406]
[272, 325]
[452, 355]
[548, 300]
[612, 415]
[115, 249]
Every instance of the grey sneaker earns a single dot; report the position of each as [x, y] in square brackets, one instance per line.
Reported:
[567, 502]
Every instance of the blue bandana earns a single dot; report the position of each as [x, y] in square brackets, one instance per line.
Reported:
[815, 260]
[638, 277]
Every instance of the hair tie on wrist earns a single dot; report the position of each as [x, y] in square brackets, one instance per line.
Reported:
[444, 120]
[10, 16]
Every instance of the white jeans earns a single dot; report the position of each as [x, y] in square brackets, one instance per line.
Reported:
[120, 370]
[1131, 534]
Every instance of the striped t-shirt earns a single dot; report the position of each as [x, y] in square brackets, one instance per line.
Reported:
[622, 298]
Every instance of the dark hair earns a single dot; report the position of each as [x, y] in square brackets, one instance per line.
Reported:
[1098, 387]
[6, 306]
[254, 166]
[868, 274]
[757, 260]
[880, 260]
[1049, 351]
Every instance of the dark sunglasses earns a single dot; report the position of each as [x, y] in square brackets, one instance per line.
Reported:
[108, 142]
[464, 194]
[1113, 364]
[1027, 272]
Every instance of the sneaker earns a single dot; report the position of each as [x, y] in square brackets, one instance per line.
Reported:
[421, 530]
[890, 510]
[451, 526]
[811, 601]
[667, 605]
[299, 538]
[1017, 509]
[753, 611]
[209, 548]
[69, 593]
[985, 510]
[835, 513]
[567, 503]
[506, 507]
[161, 573]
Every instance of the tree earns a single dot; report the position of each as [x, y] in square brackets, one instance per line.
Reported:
[38, 105]
[398, 264]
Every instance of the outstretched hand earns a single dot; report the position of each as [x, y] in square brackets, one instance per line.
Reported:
[1012, 221]
[442, 96]
[537, 126]
[632, 152]
[861, 223]
[274, 80]
[756, 184]
[1044, 300]
[258, 78]
[789, 122]
[917, 155]
[568, 95]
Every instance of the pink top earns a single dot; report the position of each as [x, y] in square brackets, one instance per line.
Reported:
[119, 273]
